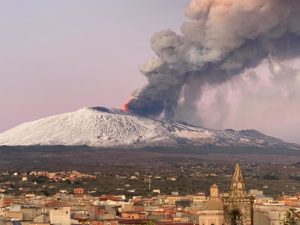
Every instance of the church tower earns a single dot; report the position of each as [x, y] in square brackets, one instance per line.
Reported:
[211, 211]
[238, 206]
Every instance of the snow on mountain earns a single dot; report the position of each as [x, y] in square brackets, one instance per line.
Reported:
[100, 127]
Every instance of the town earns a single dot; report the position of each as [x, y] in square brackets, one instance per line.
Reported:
[140, 196]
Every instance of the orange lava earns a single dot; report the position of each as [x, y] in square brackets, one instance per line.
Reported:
[125, 106]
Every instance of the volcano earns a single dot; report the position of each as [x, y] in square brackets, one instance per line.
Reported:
[102, 127]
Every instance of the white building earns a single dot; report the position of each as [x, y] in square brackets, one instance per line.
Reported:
[60, 216]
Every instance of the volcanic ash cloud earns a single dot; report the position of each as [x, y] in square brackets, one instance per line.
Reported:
[267, 98]
[220, 40]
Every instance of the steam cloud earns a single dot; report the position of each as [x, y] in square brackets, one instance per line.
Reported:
[221, 39]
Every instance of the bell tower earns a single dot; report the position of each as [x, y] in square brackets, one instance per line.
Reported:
[214, 191]
[238, 206]
[238, 185]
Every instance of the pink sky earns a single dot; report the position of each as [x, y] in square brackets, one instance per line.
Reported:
[59, 56]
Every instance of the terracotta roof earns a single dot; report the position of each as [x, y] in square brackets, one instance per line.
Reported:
[56, 204]
[175, 223]
[133, 221]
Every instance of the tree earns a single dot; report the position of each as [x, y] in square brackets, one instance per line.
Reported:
[290, 218]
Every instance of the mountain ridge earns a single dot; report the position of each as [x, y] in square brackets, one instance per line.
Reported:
[102, 127]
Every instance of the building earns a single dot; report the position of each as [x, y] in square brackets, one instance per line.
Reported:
[238, 205]
[60, 216]
[78, 191]
[212, 210]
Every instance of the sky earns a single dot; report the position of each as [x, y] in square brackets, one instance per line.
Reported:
[59, 56]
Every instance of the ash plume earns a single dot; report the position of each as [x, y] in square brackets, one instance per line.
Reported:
[266, 98]
[220, 40]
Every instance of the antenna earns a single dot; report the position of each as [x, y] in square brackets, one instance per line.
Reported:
[149, 180]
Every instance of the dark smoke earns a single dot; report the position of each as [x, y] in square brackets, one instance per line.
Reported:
[220, 41]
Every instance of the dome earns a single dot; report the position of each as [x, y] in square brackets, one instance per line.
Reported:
[213, 204]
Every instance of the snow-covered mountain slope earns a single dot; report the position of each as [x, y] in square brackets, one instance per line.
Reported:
[103, 128]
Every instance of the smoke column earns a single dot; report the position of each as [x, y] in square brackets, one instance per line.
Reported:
[220, 40]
